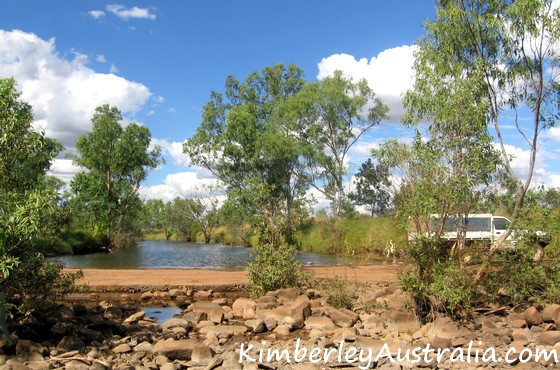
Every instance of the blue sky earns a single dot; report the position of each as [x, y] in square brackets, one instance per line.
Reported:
[159, 61]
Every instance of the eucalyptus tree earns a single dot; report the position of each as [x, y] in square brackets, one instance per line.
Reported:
[502, 56]
[243, 138]
[28, 202]
[334, 114]
[116, 160]
[372, 187]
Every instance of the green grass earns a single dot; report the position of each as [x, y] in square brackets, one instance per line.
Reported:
[358, 236]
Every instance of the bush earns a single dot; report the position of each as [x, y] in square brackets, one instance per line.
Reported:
[272, 268]
[340, 293]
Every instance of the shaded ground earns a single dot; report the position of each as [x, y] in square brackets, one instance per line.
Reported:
[209, 278]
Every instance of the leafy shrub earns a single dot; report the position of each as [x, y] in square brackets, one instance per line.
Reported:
[340, 293]
[273, 267]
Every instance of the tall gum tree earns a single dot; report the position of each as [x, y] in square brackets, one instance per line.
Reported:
[243, 138]
[117, 159]
[333, 114]
[506, 55]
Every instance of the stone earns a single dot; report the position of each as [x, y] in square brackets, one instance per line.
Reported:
[175, 322]
[174, 293]
[146, 296]
[341, 318]
[24, 346]
[224, 330]
[403, 321]
[112, 313]
[282, 330]
[134, 318]
[175, 349]
[202, 355]
[70, 343]
[257, 326]
[144, 346]
[441, 343]
[76, 365]
[168, 366]
[203, 295]
[241, 304]
[322, 323]
[518, 324]
[532, 316]
[40, 365]
[374, 322]
[288, 293]
[548, 338]
[550, 312]
[122, 348]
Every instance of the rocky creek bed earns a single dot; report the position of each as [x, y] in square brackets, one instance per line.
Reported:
[296, 328]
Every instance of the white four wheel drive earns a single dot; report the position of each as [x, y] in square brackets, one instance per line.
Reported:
[483, 228]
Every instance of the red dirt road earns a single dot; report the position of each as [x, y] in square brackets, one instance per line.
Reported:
[176, 277]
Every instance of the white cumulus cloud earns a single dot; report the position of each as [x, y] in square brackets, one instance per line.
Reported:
[389, 74]
[181, 184]
[63, 93]
[126, 13]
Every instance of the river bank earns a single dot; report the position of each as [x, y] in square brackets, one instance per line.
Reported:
[147, 279]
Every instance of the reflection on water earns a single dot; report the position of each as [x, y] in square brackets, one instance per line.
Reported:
[161, 314]
[167, 254]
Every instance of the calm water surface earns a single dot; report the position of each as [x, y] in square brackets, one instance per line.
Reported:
[168, 254]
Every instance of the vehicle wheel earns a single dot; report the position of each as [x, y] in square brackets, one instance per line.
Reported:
[539, 253]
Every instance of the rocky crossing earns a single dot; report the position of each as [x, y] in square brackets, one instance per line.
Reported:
[212, 330]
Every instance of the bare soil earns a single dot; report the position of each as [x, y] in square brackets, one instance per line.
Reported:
[128, 278]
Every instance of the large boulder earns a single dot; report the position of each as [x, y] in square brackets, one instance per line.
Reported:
[402, 321]
[175, 349]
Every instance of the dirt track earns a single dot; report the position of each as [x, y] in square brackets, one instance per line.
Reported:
[176, 277]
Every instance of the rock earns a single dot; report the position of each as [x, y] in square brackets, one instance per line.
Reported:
[257, 326]
[228, 330]
[518, 324]
[551, 312]
[76, 365]
[282, 330]
[175, 349]
[322, 323]
[203, 295]
[70, 343]
[270, 323]
[113, 313]
[288, 293]
[122, 348]
[144, 346]
[168, 366]
[146, 296]
[532, 316]
[202, 355]
[548, 338]
[403, 321]
[134, 318]
[441, 343]
[40, 365]
[374, 322]
[294, 317]
[24, 346]
[341, 318]
[174, 293]
[175, 322]
[241, 304]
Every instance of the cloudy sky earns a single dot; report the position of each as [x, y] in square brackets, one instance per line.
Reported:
[159, 61]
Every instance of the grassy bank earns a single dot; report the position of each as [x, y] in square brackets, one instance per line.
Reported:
[355, 236]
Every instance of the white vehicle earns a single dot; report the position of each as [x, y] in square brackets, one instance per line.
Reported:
[483, 228]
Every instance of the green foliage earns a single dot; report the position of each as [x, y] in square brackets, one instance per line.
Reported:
[273, 267]
[28, 209]
[340, 293]
[333, 114]
[117, 159]
[243, 138]
[372, 188]
[357, 236]
[435, 281]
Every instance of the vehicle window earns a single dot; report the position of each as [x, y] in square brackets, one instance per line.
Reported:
[501, 224]
[478, 224]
